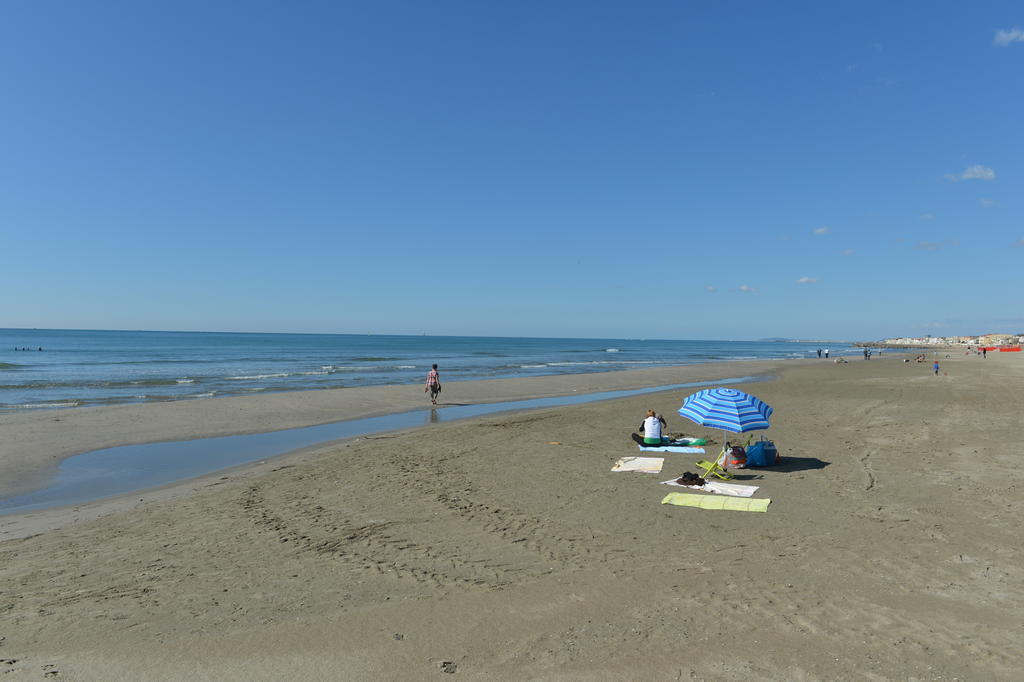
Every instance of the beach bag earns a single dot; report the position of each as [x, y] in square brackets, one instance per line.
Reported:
[734, 458]
[763, 453]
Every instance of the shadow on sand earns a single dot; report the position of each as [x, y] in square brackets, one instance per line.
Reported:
[799, 464]
[785, 465]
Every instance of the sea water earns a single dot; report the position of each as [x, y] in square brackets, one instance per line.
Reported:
[69, 368]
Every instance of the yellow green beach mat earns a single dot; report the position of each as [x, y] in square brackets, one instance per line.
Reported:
[715, 502]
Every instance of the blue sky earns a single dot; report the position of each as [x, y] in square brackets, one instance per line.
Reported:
[848, 170]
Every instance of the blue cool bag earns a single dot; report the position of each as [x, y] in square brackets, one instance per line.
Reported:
[762, 454]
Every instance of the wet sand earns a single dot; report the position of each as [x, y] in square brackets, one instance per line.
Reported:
[890, 550]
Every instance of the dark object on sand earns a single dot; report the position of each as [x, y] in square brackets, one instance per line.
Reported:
[690, 478]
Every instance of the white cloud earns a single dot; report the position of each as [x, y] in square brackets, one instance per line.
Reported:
[1005, 37]
[848, 252]
[807, 280]
[987, 203]
[927, 216]
[979, 173]
[746, 289]
[820, 230]
[710, 289]
[975, 172]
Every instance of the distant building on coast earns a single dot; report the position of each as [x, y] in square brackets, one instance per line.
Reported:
[979, 340]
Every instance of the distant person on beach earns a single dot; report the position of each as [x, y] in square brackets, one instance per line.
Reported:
[826, 353]
[650, 427]
[819, 352]
[935, 366]
[433, 384]
[984, 353]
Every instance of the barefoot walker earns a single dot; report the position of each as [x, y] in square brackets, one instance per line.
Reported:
[433, 384]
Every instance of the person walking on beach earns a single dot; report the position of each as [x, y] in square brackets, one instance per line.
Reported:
[651, 428]
[819, 353]
[826, 353]
[935, 366]
[433, 384]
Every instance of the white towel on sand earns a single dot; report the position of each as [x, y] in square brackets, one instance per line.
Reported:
[730, 489]
[646, 465]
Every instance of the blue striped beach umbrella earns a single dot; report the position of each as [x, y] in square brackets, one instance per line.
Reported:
[727, 409]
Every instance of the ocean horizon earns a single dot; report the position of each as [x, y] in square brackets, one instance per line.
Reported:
[77, 368]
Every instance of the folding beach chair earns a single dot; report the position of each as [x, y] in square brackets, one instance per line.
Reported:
[712, 469]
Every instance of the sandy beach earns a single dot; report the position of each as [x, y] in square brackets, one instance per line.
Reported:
[503, 547]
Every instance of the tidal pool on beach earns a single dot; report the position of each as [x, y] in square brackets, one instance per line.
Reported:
[99, 474]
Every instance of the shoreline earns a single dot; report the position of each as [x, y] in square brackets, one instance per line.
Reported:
[162, 367]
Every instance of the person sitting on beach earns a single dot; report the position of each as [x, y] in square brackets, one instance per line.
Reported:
[651, 428]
